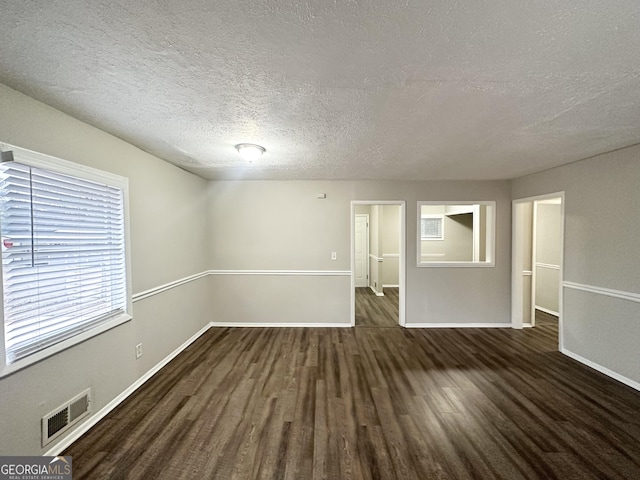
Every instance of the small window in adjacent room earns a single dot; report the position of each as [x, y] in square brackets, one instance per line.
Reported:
[470, 233]
[431, 227]
[64, 255]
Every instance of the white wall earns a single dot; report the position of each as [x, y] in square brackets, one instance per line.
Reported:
[304, 230]
[602, 228]
[168, 242]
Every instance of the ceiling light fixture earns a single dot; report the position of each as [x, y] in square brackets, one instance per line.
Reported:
[249, 151]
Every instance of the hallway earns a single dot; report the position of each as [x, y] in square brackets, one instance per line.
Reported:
[374, 311]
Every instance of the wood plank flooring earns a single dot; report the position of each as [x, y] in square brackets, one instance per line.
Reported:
[374, 311]
[369, 403]
[545, 319]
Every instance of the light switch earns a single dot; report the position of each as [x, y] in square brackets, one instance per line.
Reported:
[334, 255]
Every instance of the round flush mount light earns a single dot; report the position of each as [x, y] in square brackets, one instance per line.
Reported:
[250, 151]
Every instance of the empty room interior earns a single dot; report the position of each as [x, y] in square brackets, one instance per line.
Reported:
[321, 239]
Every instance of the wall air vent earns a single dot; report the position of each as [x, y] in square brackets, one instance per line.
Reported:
[64, 417]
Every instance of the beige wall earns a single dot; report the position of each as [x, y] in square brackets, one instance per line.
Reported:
[602, 227]
[385, 234]
[391, 230]
[376, 266]
[482, 254]
[391, 245]
[434, 295]
[168, 242]
[548, 242]
[457, 244]
[366, 210]
[361, 209]
[459, 237]
[527, 237]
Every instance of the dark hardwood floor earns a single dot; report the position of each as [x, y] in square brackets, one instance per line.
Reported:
[545, 319]
[374, 311]
[367, 403]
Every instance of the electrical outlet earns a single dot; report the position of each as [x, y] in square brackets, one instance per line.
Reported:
[334, 255]
[138, 350]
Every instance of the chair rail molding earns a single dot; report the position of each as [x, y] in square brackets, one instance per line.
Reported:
[609, 292]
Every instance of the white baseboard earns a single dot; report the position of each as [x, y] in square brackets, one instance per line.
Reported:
[546, 310]
[379, 294]
[280, 325]
[610, 373]
[458, 325]
[527, 325]
[96, 417]
[390, 286]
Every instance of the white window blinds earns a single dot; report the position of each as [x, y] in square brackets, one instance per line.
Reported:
[431, 228]
[63, 256]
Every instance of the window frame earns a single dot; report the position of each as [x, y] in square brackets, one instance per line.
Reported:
[490, 246]
[53, 164]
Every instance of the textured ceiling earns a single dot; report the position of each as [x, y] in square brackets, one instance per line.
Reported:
[349, 89]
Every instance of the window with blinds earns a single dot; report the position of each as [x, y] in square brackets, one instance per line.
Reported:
[63, 256]
[431, 227]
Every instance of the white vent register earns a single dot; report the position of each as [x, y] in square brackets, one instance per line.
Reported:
[64, 417]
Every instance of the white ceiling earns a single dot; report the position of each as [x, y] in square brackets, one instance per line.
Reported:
[338, 89]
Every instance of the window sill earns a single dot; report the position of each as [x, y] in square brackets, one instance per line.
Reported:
[7, 370]
[457, 264]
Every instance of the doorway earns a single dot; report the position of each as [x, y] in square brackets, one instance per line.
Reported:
[361, 250]
[378, 263]
[537, 250]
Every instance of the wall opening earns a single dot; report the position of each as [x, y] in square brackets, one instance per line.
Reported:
[378, 260]
[537, 251]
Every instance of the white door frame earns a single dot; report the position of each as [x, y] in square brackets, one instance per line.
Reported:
[402, 261]
[366, 253]
[517, 262]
